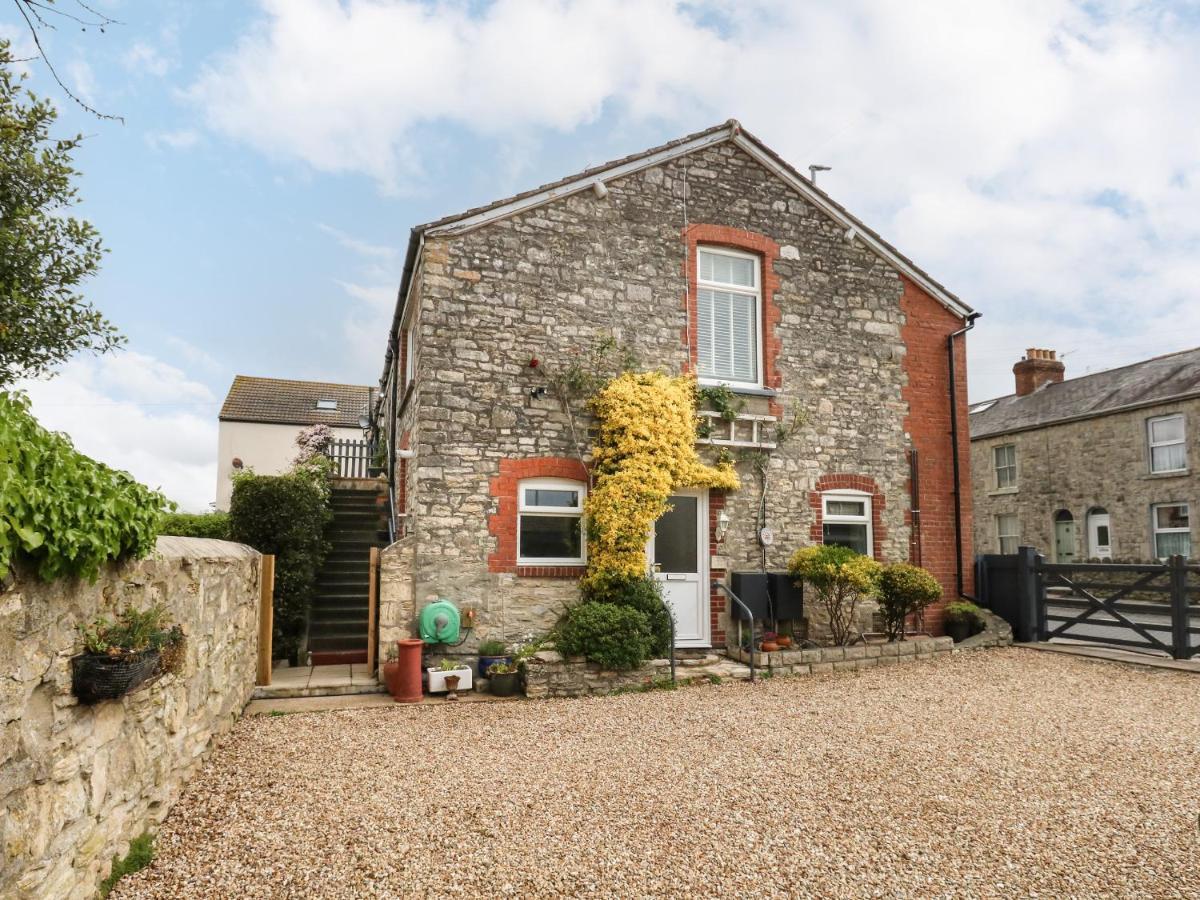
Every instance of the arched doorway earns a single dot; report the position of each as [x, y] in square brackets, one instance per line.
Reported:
[1099, 531]
[1064, 536]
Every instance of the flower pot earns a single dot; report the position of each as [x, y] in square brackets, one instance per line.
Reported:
[783, 642]
[439, 677]
[960, 631]
[97, 676]
[504, 685]
[391, 675]
[769, 647]
[486, 662]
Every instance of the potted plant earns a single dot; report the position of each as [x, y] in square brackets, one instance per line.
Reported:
[961, 617]
[502, 678]
[492, 651]
[119, 656]
[449, 677]
[770, 642]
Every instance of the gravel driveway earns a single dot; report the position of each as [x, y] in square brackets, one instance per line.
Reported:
[990, 774]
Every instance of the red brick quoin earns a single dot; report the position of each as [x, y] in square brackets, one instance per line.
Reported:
[849, 483]
[502, 524]
[768, 251]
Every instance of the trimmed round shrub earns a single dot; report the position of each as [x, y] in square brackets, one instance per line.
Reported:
[199, 525]
[643, 594]
[616, 637]
[903, 590]
[841, 579]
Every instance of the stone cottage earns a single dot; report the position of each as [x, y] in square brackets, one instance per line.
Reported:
[709, 255]
[1097, 467]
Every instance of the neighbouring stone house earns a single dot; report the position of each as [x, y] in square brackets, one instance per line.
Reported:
[1097, 467]
[261, 417]
[709, 255]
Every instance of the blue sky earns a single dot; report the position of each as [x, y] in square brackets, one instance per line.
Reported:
[1042, 159]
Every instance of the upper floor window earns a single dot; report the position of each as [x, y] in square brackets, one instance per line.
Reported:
[846, 520]
[550, 522]
[326, 404]
[1004, 460]
[1171, 526]
[1167, 448]
[728, 316]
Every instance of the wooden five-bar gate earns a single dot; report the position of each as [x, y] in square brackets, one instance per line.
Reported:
[1149, 607]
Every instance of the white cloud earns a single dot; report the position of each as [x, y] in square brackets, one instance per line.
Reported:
[136, 413]
[143, 58]
[180, 139]
[83, 80]
[358, 245]
[1040, 157]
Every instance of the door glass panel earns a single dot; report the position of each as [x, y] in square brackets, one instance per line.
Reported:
[675, 537]
[1102, 535]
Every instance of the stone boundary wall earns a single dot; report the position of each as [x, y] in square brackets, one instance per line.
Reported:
[549, 674]
[78, 782]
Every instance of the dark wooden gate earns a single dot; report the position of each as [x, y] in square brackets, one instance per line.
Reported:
[351, 458]
[1154, 607]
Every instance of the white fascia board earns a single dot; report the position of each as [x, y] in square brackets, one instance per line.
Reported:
[584, 183]
[881, 249]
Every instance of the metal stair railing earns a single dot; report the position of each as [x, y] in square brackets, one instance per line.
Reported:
[749, 614]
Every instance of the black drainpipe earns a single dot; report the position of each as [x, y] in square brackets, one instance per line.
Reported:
[958, 536]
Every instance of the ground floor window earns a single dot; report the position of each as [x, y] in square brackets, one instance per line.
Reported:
[1008, 533]
[550, 522]
[846, 520]
[1172, 529]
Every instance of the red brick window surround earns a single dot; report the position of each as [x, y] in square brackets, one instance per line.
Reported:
[698, 235]
[847, 482]
[502, 522]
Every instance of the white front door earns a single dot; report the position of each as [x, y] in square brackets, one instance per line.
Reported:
[1099, 539]
[678, 557]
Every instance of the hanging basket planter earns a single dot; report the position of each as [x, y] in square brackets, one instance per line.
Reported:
[104, 677]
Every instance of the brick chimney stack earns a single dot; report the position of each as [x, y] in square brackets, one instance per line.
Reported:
[1039, 367]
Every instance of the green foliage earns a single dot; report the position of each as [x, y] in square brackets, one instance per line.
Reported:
[61, 511]
[493, 647]
[285, 515]
[502, 668]
[451, 665]
[616, 637]
[133, 631]
[720, 400]
[141, 854]
[964, 611]
[841, 578]
[200, 525]
[904, 589]
[643, 594]
[44, 254]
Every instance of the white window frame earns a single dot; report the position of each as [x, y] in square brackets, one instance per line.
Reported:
[525, 509]
[327, 404]
[849, 496]
[1153, 444]
[996, 467]
[1155, 531]
[1001, 536]
[755, 292]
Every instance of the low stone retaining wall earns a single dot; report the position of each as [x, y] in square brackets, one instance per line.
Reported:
[549, 674]
[78, 782]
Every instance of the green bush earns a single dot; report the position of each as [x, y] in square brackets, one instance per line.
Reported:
[285, 515]
[616, 637]
[643, 594]
[61, 511]
[840, 578]
[200, 525]
[903, 590]
[964, 611]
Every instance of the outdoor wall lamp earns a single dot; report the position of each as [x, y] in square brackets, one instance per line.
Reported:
[722, 525]
[537, 393]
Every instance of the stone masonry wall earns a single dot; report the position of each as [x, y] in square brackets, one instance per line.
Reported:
[78, 782]
[564, 276]
[1077, 466]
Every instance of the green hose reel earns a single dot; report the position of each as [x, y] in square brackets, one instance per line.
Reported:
[439, 622]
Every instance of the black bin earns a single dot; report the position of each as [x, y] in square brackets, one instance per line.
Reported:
[762, 590]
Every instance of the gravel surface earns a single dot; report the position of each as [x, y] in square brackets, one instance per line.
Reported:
[991, 774]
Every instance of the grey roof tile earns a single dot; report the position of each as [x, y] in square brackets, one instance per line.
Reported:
[285, 402]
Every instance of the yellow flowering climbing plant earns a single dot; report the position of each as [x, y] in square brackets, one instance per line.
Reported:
[645, 449]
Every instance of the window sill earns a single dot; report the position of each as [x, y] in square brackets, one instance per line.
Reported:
[1000, 492]
[1155, 476]
[744, 389]
[550, 571]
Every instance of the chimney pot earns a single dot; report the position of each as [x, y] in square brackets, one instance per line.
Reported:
[1039, 367]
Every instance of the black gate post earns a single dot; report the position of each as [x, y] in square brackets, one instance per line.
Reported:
[1028, 616]
[1180, 648]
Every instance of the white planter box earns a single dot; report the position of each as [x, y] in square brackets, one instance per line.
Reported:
[437, 679]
